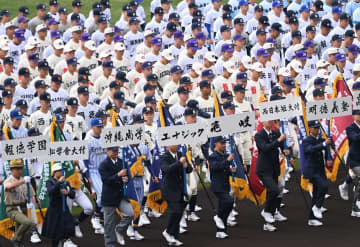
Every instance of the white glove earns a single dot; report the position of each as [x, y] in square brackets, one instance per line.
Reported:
[27, 179]
[29, 205]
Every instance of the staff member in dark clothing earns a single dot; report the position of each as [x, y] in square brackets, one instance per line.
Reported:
[268, 142]
[58, 224]
[114, 177]
[314, 170]
[172, 189]
[220, 170]
[353, 159]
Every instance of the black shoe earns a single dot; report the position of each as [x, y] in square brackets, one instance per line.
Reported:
[16, 243]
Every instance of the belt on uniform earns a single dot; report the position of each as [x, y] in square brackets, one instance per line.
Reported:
[17, 205]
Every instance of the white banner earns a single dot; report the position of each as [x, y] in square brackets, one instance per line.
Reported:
[321, 109]
[230, 124]
[280, 109]
[123, 135]
[356, 100]
[66, 151]
[25, 148]
[182, 134]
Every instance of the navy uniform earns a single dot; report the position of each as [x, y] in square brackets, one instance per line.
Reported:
[173, 192]
[353, 159]
[315, 171]
[220, 185]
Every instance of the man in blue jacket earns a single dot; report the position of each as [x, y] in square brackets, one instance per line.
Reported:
[353, 159]
[314, 170]
[220, 170]
[114, 178]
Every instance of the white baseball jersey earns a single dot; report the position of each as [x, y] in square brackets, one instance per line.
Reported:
[40, 120]
[102, 83]
[58, 98]
[132, 40]
[26, 94]
[77, 126]
[91, 63]
[163, 72]
[87, 112]
[69, 80]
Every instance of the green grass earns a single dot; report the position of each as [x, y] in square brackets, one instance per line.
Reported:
[116, 7]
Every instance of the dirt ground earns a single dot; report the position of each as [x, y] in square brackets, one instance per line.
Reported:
[339, 227]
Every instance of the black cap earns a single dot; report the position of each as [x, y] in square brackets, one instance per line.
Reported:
[101, 113]
[311, 28]
[40, 6]
[229, 105]
[75, 17]
[61, 110]
[276, 90]
[45, 96]
[326, 23]
[227, 8]
[83, 90]
[204, 83]
[43, 64]
[24, 72]
[83, 78]
[314, 16]
[10, 82]
[171, 26]
[53, 3]
[182, 90]
[239, 88]
[350, 33]
[219, 139]
[185, 80]
[24, 10]
[120, 96]
[76, 3]
[319, 5]
[357, 26]
[197, 13]
[148, 86]
[84, 71]
[314, 124]
[290, 13]
[318, 92]
[126, 7]
[21, 103]
[33, 132]
[152, 77]
[56, 78]
[150, 99]
[72, 101]
[63, 10]
[192, 103]
[147, 109]
[293, 20]
[138, 119]
[264, 20]
[344, 16]
[40, 84]
[258, 8]
[277, 27]
[159, 11]
[1, 102]
[336, 37]
[239, 21]
[174, 15]
[225, 28]
[114, 84]
[8, 60]
[196, 25]
[6, 93]
[121, 76]
[296, 34]
[227, 94]
[260, 31]
[189, 112]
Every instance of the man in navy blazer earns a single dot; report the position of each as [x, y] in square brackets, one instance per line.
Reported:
[114, 178]
[172, 166]
[314, 170]
[353, 159]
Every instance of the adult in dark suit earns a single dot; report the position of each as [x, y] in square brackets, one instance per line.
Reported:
[172, 164]
[114, 178]
[220, 170]
[353, 159]
[269, 142]
[314, 170]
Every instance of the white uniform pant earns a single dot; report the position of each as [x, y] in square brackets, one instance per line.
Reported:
[82, 200]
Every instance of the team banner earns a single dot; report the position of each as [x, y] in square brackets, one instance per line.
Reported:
[66, 150]
[356, 100]
[323, 109]
[182, 134]
[122, 135]
[226, 125]
[280, 109]
[24, 148]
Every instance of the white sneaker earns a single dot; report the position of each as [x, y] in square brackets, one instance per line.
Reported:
[170, 239]
[144, 220]
[221, 235]
[155, 214]
[268, 217]
[183, 222]
[146, 209]
[269, 227]
[177, 242]
[130, 231]
[99, 231]
[35, 239]
[120, 238]
[137, 236]
[234, 212]
[198, 208]
[78, 232]
[231, 223]
[290, 169]
[204, 168]
[323, 210]
[219, 223]
[182, 230]
[285, 191]
[231, 218]
[355, 213]
[193, 217]
[279, 217]
[327, 196]
[69, 243]
[317, 212]
[315, 223]
[344, 193]
[95, 222]
[282, 205]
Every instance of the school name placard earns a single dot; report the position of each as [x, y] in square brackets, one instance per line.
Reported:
[356, 100]
[321, 109]
[25, 147]
[66, 151]
[122, 135]
[280, 109]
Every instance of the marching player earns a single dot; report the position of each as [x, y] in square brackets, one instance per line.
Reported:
[76, 122]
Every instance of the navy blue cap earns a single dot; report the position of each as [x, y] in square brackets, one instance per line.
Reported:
[147, 65]
[9, 60]
[120, 96]
[276, 90]
[21, 103]
[75, 17]
[293, 20]
[182, 90]
[204, 83]
[159, 11]
[192, 103]
[326, 23]
[350, 34]
[318, 92]
[239, 21]
[63, 10]
[185, 80]
[152, 77]
[24, 10]
[121, 76]
[76, 3]
[72, 101]
[229, 105]
[84, 71]
[45, 96]
[10, 82]
[40, 6]
[302, 55]
[83, 90]
[83, 78]
[219, 139]
[356, 112]
[147, 109]
[114, 84]
[260, 31]
[101, 113]
[311, 28]
[171, 26]
[72, 61]
[336, 37]
[356, 85]
[227, 94]
[56, 78]
[289, 82]
[108, 64]
[6, 93]
[196, 25]
[264, 20]
[174, 15]
[40, 84]
[320, 82]
[189, 111]
[176, 69]
[148, 86]
[101, 19]
[314, 124]
[242, 76]
[33, 132]
[209, 73]
[133, 20]
[24, 72]
[150, 99]
[239, 88]
[138, 119]
[296, 34]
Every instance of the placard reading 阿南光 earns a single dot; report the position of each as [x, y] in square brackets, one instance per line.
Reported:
[323, 109]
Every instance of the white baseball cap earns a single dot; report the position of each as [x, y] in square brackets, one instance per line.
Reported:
[5, 37]
[148, 32]
[298, 47]
[322, 63]
[247, 62]
[90, 45]
[211, 56]
[229, 66]
[296, 65]
[76, 28]
[258, 67]
[109, 30]
[187, 37]
[140, 58]
[29, 46]
[41, 27]
[119, 46]
[356, 67]
[167, 54]
[56, 167]
[198, 68]
[69, 48]
[33, 40]
[4, 45]
[322, 73]
[105, 54]
[59, 44]
[333, 50]
[9, 24]
[269, 45]
[284, 71]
